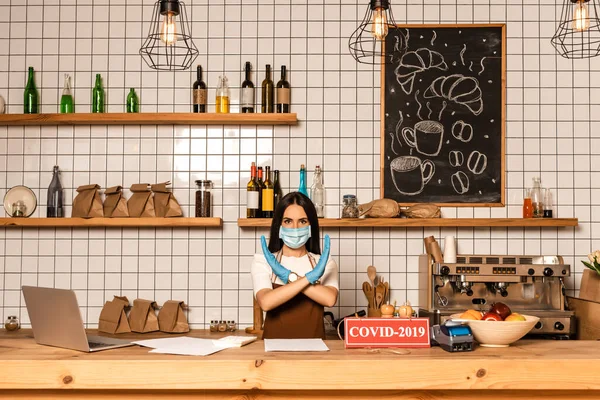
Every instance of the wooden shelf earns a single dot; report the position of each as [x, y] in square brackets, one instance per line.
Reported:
[419, 223]
[111, 222]
[147, 119]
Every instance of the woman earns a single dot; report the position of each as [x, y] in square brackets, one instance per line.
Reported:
[293, 281]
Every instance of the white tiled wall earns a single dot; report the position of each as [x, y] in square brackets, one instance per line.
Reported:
[552, 118]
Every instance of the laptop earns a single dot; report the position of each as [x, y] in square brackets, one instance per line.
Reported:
[56, 321]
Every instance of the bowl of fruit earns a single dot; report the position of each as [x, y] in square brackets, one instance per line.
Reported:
[498, 327]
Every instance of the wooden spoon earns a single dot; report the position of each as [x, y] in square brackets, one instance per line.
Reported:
[368, 291]
[372, 274]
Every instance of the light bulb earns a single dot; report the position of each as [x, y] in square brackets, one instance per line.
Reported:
[581, 18]
[168, 33]
[379, 27]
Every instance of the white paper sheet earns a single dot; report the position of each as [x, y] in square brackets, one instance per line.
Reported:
[187, 346]
[295, 345]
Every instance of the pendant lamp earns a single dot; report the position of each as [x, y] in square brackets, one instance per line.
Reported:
[367, 41]
[169, 45]
[578, 33]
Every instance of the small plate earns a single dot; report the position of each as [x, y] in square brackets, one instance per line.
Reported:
[22, 193]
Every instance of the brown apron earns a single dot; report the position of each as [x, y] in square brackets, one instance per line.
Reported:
[298, 318]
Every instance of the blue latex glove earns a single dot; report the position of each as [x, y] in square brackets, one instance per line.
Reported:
[319, 269]
[282, 272]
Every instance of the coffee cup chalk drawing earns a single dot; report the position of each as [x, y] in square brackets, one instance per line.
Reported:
[443, 124]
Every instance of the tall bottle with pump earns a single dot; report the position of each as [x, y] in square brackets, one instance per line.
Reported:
[247, 98]
[537, 201]
[199, 92]
[267, 100]
[55, 196]
[67, 105]
[302, 185]
[98, 96]
[267, 195]
[30, 96]
[252, 194]
[222, 100]
[317, 192]
[283, 93]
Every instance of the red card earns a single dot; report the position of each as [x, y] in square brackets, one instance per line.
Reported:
[386, 332]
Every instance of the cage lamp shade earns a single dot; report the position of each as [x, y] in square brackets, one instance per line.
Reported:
[367, 41]
[578, 32]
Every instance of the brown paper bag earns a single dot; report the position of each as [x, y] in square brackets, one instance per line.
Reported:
[141, 203]
[142, 317]
[113, 318]
[115, 204]
[165, 204]
[87, 203]
[171, 318]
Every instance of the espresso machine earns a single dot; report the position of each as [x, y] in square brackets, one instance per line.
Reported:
[531, 285]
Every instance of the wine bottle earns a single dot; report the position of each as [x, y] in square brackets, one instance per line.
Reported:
[267, 100]
[252, 194]
[267, 194]
[222, 100]
[98, 96]
[30, 97]
[67, 106]
[55, 196]
[277, 193]
[133, 103]
[199, 92]
[317, 192]
[261, 186]
[283, 93]
[247, 91]
[302, 186]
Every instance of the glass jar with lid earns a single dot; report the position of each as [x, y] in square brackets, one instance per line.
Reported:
[12, 323]
[203, 199]
[350, 209]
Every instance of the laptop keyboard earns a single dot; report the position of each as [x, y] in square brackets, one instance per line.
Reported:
[94, 345]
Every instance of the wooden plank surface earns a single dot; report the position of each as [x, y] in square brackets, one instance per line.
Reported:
[430, 222]
[110, 222]
[540, 365]
[147, 119]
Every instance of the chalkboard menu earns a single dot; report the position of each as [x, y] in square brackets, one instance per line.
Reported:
[443, 115]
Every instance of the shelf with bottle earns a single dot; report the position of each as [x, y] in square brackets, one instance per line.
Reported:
[183, 222]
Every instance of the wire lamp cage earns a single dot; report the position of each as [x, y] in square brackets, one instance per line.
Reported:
[367, 42]
[578, 33]
[169, 45]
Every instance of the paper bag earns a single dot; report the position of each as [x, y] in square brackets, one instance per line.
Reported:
[87, 203]
[115, 204]
[590, 285]
[171, 318]
[142, 317]
[165, 204]
[113, 318]
[141, 203]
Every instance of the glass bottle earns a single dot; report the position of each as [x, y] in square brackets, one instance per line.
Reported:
[547, 203]
[537, 201]
[350, 209]
[247, 91]
[55, 196]
[267, 194]
[268, 87]
[527, 206]
[12, 323]
[133, 103]
[222, 101]
[30, 97]
[302, 185]
[252, 194]
[98, 96]
[283, 93]
[317, 192]
[203, 199]
[277, 192]
[199, 92]
[67, 105]
[261, 186]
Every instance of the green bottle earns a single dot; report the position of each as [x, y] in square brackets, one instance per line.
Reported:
[67, 106]
[30, 98]
[133, 103]
[98, 96]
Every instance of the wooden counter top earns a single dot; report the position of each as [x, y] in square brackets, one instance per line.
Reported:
[540, 365]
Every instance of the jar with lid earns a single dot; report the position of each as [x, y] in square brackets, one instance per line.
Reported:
[350, 209]
[203, 200]
[214, 326]
[536, 198]
[12, 323]
[231, 327]
[222, 326]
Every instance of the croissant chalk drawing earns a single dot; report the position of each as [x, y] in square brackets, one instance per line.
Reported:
[414, 62]
[463, 90]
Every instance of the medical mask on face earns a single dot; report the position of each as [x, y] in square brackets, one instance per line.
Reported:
[294, 238]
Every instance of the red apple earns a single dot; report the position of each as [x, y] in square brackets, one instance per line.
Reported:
[501, 309]
[491, 317]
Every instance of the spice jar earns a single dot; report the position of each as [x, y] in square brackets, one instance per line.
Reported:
[12, 323]
[350, 209]
[222, 326]
[203, 206]
[214, 326]
[231, 326]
